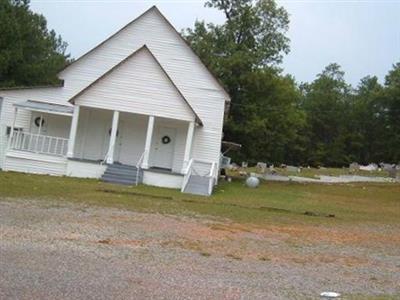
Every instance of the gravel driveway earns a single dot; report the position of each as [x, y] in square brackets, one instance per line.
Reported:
[57, 250]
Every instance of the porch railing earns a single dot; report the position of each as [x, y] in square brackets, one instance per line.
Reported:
[38, 143]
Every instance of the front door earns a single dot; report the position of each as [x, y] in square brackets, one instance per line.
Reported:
[163, 148]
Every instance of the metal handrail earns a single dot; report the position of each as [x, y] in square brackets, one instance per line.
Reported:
[138, 166]
[107, 154]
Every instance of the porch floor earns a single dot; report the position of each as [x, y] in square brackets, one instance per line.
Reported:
[162, 171]
[93, 161]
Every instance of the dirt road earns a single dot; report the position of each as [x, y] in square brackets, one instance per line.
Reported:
[57, 250]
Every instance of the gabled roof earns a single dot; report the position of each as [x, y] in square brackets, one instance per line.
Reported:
[144, 47]
[154, 8]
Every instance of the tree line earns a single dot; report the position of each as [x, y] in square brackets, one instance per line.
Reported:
[30, 54]
[276, 119]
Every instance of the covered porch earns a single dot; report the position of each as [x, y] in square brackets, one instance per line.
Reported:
[117, 146]
[38, 138]
[102, 136]
[112, 137]
[45, 130]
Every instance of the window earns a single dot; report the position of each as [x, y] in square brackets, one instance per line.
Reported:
[16, 129]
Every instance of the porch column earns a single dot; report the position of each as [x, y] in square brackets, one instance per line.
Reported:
[72, 132]
[149, 135]
[113, 137]
[38, 134]
[12, 128]
[188, 146]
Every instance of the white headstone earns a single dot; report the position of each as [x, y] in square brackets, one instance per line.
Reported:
[252, 182]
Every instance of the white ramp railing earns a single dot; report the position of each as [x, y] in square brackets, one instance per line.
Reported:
[201, 168]
[38, 143]
[187, 174]
[212, 177]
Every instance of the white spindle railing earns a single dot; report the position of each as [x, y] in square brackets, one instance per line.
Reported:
[38, 143]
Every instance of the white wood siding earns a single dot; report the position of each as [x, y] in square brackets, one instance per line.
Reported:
[6, 119]
[54, 125]
[182, 65]
[93, 137]
[84, 169]
[140, 86]
[28, 162]
[185, 69]
[172, 181]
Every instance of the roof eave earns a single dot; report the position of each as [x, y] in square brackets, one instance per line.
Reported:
[60, 84]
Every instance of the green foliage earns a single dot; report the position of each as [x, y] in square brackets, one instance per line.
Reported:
[327, 104]
[244, 53]
[325, 122]
[390, 115]
[30, 54]
[267, 120]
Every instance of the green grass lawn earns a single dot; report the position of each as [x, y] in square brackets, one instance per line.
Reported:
[271, 202]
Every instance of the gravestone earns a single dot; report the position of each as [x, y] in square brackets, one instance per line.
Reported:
[261, 167]
[293, 169]
[386, 167]
[354, 167]
[393, 172]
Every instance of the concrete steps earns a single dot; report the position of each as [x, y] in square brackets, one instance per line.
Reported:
[122, 174]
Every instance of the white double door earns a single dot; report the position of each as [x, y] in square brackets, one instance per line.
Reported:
[130, 143]
[162, 154]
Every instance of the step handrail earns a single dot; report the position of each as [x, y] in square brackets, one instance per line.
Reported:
[107, 154]
[187, 173]
[138, 166]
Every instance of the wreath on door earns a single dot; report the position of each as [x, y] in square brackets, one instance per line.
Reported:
[37, 121]
[166, 139]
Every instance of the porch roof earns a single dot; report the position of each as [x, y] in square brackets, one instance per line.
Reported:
[46, 107]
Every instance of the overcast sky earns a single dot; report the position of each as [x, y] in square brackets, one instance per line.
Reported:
[362, 36]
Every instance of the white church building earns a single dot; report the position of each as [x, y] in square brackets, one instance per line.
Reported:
[138, 108]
